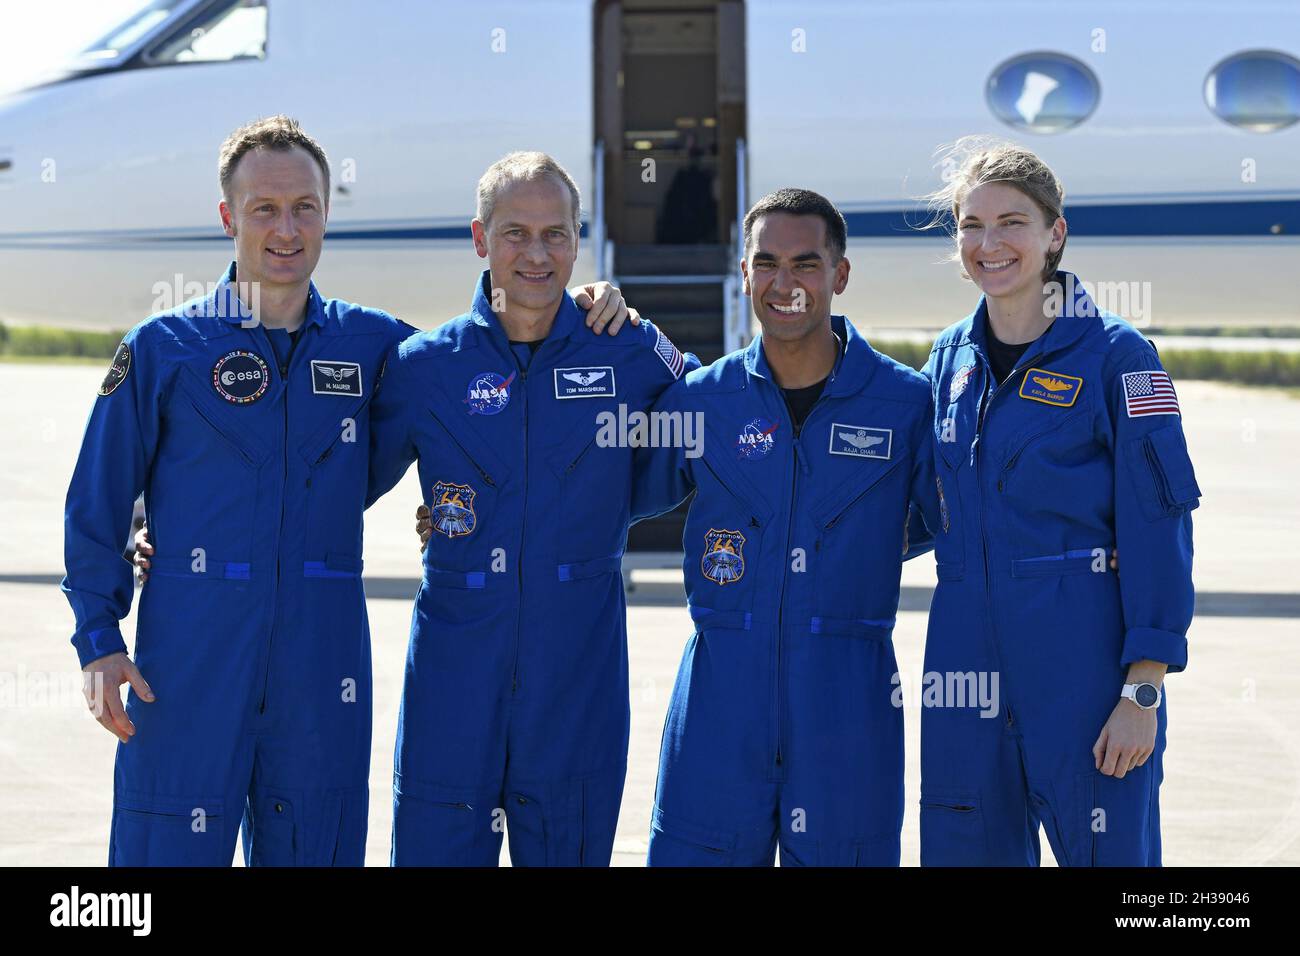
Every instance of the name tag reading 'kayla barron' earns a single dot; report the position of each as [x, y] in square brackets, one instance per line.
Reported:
[335, 378]
[1051, 388]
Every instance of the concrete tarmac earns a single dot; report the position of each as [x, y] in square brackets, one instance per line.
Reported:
[1232, 768]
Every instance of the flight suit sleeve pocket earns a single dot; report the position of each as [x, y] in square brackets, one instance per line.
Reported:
[1162, 475]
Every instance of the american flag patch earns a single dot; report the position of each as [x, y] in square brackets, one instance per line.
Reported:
[1149, 393]
[665, 349]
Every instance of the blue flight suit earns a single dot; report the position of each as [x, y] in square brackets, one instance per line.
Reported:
[515, 706]
[252, 627]
[1078, 451]
[786, 724]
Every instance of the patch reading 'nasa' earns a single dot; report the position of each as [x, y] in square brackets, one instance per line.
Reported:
[241, 377]
[1051, 388]
[724, 556]
[488, 393]
[117, 370]
[452, 510]
[335, 378]
[756, 439]
[861, 441]
[593, 381]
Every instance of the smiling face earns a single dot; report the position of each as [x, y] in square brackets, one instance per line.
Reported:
[1004, 240]
[530, 242]
[791, 276]
[275, 210]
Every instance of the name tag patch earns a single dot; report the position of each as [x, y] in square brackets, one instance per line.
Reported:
[1051, 388]
[861, 441]
[335, 378]
[589, 381]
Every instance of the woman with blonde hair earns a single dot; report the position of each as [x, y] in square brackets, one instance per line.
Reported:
[1057, 437]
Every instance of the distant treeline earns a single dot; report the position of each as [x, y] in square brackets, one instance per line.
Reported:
[1247, 368]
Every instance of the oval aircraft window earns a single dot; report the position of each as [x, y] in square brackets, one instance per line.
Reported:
[1042, 92]
[1258, 90]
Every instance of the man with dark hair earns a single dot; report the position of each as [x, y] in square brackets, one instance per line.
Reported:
[244, 418]
[784, 727]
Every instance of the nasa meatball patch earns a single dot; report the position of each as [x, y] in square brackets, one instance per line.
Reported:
[335, 378]
[241, 377]
[117, 371]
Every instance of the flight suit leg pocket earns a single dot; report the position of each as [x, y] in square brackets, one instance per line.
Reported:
[678, 842]
[953, 831]
[157, 830]
[1119, 817]
[440, 826]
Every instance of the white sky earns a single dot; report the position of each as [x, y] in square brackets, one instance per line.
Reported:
[39, 35]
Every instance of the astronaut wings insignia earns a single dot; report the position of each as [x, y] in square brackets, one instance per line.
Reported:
[584, 378]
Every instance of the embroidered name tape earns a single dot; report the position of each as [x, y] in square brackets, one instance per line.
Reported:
[335, 378]
[861, 441]
[1051, 388]
[588, 381]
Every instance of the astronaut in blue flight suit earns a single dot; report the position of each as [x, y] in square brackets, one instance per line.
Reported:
[242, 416]
[515, 706]
[784, 726]
[1057, 436]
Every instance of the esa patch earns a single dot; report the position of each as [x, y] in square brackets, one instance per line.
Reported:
[861, 441]
[452, 510]
[724, 556]
[117, 370]
[590, 381]
[1051, 388]
[241, 377]
[756, 439]
[335, 378]
[488, 393]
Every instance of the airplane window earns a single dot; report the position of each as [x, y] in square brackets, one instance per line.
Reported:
[141, 22]
[1042, 92]
[1258, 90]
[232, 31]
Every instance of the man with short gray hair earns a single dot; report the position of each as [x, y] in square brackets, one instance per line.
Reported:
[515, 708]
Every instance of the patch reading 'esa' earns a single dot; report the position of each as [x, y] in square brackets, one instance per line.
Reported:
[861, 441]
[335, 378]
[590, 381]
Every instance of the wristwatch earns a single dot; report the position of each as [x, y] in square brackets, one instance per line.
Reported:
[1146, 696]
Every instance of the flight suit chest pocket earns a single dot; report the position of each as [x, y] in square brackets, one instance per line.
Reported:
[858, 550]
[723, 548]
[595, 482]
[237, 425]
[461, 485]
